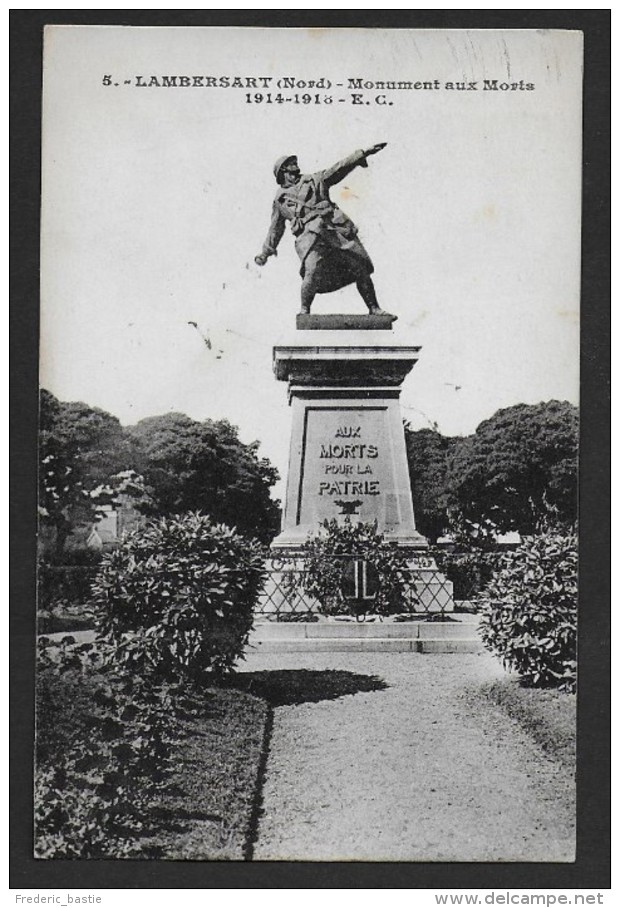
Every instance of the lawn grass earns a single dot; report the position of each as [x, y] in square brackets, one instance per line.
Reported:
[210, 812]
[217, 734]
[547, 715]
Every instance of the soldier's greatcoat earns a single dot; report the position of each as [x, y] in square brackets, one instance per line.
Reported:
[325, 238]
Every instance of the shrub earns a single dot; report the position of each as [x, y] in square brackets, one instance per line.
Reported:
[468, 571]
[328, 561]
[68, 583]
[102, 755]
[529, 610]
[177, 596]
[80, 556]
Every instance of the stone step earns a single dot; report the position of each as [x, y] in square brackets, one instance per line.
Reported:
[414, 630]
[468, 645]
[364, 645]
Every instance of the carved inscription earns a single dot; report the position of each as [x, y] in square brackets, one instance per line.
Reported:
[348, 461]
[346, 468]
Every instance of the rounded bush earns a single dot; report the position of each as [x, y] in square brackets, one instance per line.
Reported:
[328, 564]
[178, 595]
[529, 611]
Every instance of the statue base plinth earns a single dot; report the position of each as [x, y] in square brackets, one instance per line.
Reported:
[340, 322]
[347, 456]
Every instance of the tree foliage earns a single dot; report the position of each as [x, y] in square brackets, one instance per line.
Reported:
[427, 456]
[165, 465]
[518, 470]
[81, 448]
[191, 466]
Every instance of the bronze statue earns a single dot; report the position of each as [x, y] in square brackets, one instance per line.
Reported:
[326, 239]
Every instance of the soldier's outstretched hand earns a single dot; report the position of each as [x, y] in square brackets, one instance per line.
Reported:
[375, 148]
[260, 259]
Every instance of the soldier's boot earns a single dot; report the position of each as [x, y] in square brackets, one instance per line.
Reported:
[307, 296]
[367, 292]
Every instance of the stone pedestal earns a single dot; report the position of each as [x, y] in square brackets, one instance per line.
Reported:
[347, 454]
[337, 321]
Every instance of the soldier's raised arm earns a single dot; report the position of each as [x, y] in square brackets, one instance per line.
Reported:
[339, 171]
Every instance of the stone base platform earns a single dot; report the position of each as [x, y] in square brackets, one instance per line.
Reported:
[457, 636]
[340, 322]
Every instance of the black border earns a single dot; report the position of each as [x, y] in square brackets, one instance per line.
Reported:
[592, 868]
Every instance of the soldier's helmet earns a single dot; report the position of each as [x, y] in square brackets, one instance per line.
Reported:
[277, 167]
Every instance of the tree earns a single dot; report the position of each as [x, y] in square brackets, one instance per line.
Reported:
[80, 450]
[427, 456]
[203, 466]
[517, 471]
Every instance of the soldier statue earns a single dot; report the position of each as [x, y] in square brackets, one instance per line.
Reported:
[326, 240]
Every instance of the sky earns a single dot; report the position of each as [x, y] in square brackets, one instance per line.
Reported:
[155, 201]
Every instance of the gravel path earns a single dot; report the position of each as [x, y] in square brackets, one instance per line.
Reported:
[418, 769]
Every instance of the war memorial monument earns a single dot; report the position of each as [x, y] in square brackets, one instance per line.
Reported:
[344, 375]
